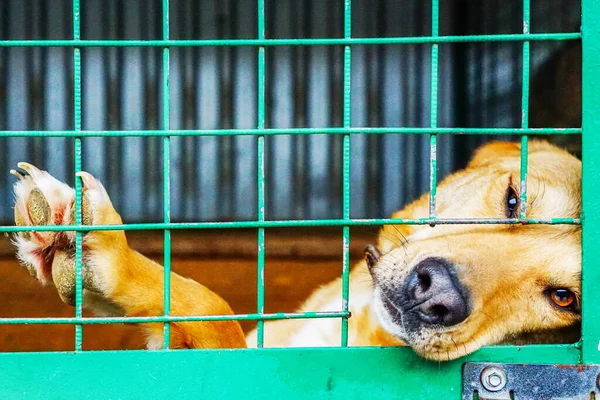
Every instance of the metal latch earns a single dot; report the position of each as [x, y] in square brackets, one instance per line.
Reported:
[491, 381]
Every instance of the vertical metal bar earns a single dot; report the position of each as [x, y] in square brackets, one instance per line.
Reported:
[346, 172]
[435, 17]
[590, 334]
[272, 144]
[77, 167]
[166, 177]
[525, 109]
[260, 301]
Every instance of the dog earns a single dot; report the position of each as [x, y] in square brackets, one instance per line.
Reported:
[445, 290]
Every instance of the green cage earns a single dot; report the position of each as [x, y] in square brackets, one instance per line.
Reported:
[342, 372]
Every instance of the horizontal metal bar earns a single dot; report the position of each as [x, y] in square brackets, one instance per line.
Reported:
[317, 373]
[292, 224]
[293, 42]
[296, 131]
[170, 318]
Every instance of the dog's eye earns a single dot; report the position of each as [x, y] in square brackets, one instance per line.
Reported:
[512, 202]
[562, 297]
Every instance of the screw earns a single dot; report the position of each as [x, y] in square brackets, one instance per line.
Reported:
[493, 378]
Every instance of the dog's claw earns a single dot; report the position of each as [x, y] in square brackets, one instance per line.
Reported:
[31, 169]
[88, 180]
[17, 174]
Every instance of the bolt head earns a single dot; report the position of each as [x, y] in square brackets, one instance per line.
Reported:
[493, 378]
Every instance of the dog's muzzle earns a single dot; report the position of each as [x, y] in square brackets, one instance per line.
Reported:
[430, 296]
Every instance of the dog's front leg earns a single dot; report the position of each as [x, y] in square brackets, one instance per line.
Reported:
[116, 279]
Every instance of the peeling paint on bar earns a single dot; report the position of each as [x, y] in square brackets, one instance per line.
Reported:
[295, 131]
[590, 326]
[260, 191]
[294, 42]
[78, 188]
[170, 318]
[166, 110]
[291, 224]
[347, 96]
[433, 108]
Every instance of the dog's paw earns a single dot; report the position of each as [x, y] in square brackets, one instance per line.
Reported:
[41, 200]
[99, 247]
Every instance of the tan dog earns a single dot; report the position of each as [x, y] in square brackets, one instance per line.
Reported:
[445, 291]
[448, 290]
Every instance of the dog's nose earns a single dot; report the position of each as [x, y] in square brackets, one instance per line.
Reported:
[433, 294]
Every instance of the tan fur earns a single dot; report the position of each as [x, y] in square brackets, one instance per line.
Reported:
[505, 267]
[122, 281]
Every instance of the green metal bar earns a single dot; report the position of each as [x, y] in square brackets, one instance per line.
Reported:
[166, 178]
[260, 292]
[297, 131]
[346, 171]
[78, 214]
[590, 333]
[170, 318]
[294, 42]
[294, 374]
[525, 109]
[433, 107]
[292, 224]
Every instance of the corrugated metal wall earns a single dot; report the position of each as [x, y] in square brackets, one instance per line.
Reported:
[211, 88]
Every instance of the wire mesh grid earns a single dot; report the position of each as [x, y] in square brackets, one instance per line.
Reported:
[260, 43]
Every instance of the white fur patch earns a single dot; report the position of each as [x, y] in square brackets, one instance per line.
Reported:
[326, 331]
[385, 318]
[154, 342]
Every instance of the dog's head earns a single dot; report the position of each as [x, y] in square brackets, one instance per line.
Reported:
[450, 289]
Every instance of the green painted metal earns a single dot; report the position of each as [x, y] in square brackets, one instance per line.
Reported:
[297, 131]
[591, 176]
[433, 107]
[166, 110]
[293, 42]
[334, 373]
[525, 109]
[289, 224]
[346, 173]
[78, 213]
[260, 301]
[170, 318]
[299, 373]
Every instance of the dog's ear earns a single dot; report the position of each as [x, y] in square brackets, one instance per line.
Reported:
[489, 153]
[372, 255]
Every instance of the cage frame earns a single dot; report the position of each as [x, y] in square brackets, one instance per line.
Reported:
[340, 372]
